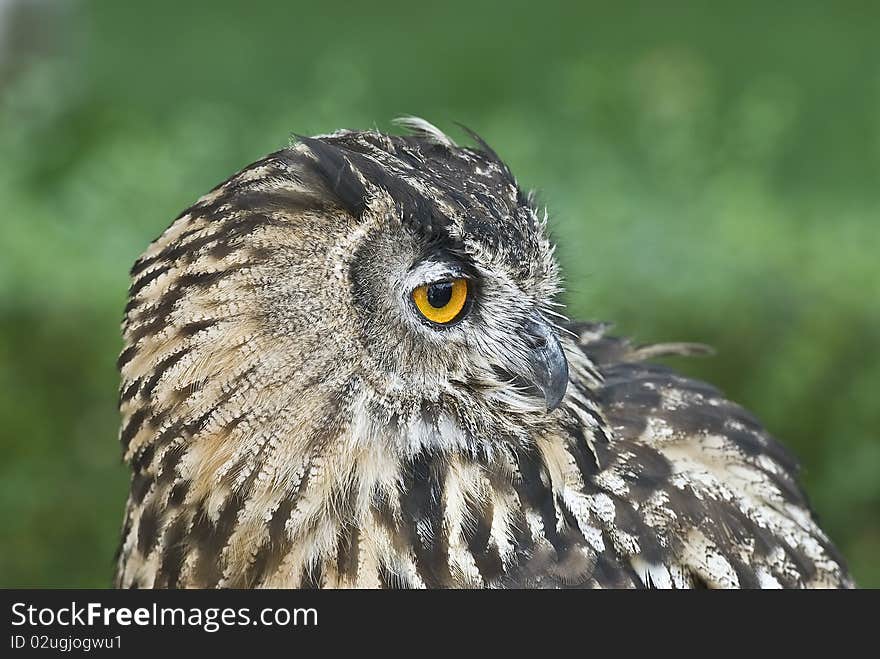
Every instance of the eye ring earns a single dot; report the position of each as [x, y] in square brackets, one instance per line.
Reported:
[442, 302]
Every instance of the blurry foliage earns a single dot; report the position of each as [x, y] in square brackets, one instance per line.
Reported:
[712, 174]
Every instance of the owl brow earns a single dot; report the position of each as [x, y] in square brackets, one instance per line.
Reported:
[447, 254]
[429, 272]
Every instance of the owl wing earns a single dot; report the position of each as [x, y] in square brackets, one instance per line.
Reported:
[708, 496]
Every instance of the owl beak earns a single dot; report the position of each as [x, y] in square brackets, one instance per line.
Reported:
[548, 363]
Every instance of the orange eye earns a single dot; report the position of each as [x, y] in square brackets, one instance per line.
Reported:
[441, 302]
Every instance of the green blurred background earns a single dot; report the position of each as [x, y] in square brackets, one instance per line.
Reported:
[713, 174]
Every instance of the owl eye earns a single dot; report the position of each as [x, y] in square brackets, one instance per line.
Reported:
[443, 301]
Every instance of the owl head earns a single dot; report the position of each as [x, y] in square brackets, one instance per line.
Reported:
[355, 288]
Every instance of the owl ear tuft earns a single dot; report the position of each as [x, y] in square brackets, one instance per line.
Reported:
[338, 174]
[352, 175]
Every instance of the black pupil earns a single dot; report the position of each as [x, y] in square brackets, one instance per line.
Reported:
[440, 294]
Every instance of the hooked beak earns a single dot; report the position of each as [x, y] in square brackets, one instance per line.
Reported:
[546, 359]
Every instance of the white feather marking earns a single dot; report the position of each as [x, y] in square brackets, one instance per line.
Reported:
[423, 128]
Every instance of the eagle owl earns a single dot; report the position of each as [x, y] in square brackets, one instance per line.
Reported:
[345, 367]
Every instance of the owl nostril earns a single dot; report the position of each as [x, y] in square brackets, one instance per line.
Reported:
[534, 335]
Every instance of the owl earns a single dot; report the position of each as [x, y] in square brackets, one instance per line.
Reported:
[346, 366]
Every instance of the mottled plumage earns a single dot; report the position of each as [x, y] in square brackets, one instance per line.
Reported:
[292, 421]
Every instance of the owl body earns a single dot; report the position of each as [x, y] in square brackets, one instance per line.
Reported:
[305, 404]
